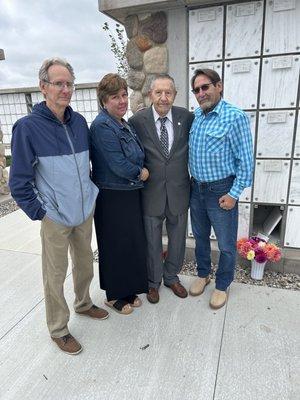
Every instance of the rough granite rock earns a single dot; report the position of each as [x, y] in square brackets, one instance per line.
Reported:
[136, 101]
[143, 42]
[156, 60]
[131, 25]
[135, 79]
[155, 27]
[134, 56]
[147, 83]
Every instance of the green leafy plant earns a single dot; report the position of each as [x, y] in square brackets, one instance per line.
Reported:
[118, 42]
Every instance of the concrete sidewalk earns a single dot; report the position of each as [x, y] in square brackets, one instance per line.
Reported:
[179, 349]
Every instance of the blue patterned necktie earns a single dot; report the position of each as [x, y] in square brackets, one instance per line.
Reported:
[164, 138]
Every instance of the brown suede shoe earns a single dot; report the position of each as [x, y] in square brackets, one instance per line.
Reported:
[178, 289]
[94, 312]
[68, 344]
[153, 295]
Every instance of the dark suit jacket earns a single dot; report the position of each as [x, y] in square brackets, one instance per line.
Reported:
[169, 177]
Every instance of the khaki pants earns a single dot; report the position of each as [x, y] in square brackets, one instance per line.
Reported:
[56, 240]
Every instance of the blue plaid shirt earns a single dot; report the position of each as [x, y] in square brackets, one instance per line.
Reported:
[220, 145]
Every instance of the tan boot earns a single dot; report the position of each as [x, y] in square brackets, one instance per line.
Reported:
[218, 299]
[198, 286]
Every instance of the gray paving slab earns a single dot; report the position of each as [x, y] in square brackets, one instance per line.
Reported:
[164, 351]
[19, 233]
[260, 356]
[20, 287]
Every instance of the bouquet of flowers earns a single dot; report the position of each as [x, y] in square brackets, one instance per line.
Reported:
[255, 248]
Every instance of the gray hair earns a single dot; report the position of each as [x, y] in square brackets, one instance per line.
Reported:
[43, 72]
[162, 76]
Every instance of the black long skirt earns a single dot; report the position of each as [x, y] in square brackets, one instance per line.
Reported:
[121, 243]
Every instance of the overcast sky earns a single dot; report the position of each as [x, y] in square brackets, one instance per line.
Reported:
[33, 30]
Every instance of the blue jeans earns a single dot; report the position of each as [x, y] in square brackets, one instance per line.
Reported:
[206, 212]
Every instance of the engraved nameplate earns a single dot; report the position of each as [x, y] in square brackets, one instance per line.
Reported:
[243, 10]
[282, 62]
[273, 166]
[206, 15]
[240, 67]
[283, 5]
[276, 118]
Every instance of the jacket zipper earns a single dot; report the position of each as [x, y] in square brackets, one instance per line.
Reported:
[80, 183]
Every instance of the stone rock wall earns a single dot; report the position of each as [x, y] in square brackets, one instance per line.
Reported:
[146, 53]
[3, 172]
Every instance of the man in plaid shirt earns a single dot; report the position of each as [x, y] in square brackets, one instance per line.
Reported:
[221, 163]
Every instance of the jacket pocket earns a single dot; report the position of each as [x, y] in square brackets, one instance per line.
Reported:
[129, 147]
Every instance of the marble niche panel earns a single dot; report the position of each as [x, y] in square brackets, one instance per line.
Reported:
[246, 194]
[252, 119]
[206, 34]
[294, 196]
[275, 134]
[244, 220]
[216, 66]
[244, 29]
[241, 83]
[297, 141]
[280, 77]
[282, 27]
[292, 231]
[271, 181]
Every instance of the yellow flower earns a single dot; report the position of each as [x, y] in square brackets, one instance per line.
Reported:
[250, 255]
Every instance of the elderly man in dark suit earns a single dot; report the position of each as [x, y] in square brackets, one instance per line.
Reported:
[163, 130]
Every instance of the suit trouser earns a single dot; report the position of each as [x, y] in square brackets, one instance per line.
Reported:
[56, 240]
[176, 231]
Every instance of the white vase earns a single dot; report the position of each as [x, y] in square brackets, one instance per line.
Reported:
[257, 270]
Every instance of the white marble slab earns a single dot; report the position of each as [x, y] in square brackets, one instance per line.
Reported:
[206, 34]
[280, 76]
[216, 66]
[246, 194]
[297, 141]
[241, 74]
[155, 353]
[282, 28]
[294, 195]
[244, 29]
[275, 134]
[244, 220]
[19, 233]
[252, 119]
[260, 356]
[292, 231]
[271, 181]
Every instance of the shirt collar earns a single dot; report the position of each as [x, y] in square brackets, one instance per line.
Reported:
[157, 116]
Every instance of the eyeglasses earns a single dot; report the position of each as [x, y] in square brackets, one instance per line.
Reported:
[204, 88]
[61, 85]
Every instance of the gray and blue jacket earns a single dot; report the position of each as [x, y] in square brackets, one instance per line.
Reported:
[50, 172]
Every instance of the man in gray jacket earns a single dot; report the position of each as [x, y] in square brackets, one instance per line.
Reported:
[49, 179]
[163, 130]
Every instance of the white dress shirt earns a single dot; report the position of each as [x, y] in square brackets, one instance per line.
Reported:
[169, 126]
